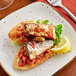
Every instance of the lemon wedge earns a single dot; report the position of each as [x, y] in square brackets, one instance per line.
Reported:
[63, 46]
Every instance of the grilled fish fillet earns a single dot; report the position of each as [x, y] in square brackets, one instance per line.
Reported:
[35, 49]
[26, 31]
[42, 30]
[41, 60]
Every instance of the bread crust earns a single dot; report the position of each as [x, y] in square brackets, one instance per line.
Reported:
[26, 67]
[22, 42]
[13, 32]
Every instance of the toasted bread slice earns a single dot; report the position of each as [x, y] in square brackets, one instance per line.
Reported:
[13, 33]
[50, 54]
[26, 31]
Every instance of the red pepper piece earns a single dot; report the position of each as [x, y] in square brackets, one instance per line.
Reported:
[37, 59]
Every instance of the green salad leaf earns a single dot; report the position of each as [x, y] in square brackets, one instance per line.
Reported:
[58, 31]
[46, 22]
[16, 43]
[38, 21]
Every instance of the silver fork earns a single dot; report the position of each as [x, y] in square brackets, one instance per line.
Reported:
[58, 3]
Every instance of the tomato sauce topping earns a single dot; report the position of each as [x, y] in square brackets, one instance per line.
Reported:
[36, 30]
[24, 57]
[32, 44]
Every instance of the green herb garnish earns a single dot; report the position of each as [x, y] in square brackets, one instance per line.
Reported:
[46, 22]
[16, 43]
[38, 21]
[58, 31]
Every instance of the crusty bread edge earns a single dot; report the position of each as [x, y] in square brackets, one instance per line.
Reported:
[34, 65]
[17, 39]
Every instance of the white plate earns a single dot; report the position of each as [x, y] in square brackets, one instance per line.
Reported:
[8, 50]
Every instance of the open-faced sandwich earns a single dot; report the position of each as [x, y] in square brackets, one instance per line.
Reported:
[40, 40]
[27, 31]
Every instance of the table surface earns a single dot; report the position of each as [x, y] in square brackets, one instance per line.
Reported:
[69, 69]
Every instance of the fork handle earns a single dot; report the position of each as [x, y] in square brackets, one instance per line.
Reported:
[71, 15]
